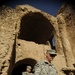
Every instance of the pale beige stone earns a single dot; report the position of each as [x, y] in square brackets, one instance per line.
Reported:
[16, 51]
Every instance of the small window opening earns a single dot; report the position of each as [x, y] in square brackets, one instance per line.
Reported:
[52, 42]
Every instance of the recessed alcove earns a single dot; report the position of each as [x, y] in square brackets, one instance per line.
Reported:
[20, 66]
[35, 27]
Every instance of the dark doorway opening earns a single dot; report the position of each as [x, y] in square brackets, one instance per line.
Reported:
[20, 66]
[35, 27]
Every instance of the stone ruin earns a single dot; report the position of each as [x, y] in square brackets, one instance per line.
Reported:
[27, 32]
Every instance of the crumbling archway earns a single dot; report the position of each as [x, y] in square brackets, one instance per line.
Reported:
[20, 66]
[36, 27]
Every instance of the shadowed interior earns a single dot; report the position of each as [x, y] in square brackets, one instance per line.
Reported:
[35, 27]
[20, 66]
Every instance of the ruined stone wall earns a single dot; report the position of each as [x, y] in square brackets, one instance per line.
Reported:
[66, 24]
[7, 34]
[10, 51]
[13, 49]
[68, 12]
[9, 18]
[30, 50]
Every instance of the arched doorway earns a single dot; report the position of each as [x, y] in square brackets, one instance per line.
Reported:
[20, 66]
[36, 27]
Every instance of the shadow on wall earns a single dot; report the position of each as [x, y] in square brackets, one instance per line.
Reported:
[35, 27]
[20, 66]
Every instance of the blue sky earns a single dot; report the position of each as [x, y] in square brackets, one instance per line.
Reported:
[49, 6]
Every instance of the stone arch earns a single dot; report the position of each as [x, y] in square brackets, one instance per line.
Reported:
[20, 66]
[35, 27]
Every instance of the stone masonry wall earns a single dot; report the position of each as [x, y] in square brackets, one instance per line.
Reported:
[9, 28]
[68, 13]
[13, 50]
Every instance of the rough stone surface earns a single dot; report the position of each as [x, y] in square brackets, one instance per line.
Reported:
[30, 50]
[66, 24]
[68, 12]
[16, 50]
[65, 41]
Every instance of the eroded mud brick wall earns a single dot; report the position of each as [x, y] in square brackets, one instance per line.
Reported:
[7, 34]
[68, 11]
[10, 48]
[67, 27]
[13, 45]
